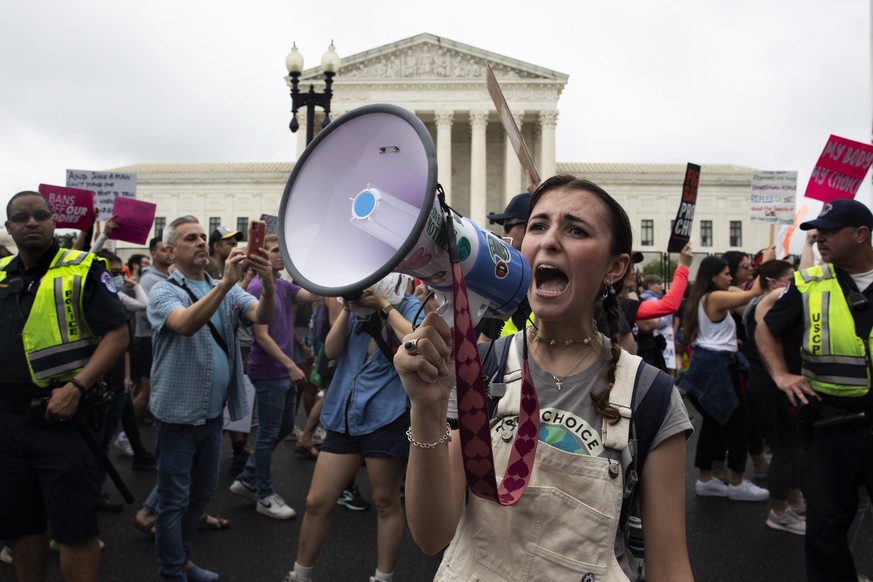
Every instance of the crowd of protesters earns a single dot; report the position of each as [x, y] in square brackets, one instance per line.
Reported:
[772, 356]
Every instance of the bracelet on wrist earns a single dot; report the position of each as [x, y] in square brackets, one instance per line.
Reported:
[446, 438]
[77, 384]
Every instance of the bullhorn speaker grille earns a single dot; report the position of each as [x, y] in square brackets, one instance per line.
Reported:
[357, 191]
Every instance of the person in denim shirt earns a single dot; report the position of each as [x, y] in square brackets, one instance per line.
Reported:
[366, 413]
[197, 368]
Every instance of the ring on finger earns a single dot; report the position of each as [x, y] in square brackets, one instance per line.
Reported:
[411, 347]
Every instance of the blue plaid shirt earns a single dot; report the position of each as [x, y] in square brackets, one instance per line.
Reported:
[182, 366]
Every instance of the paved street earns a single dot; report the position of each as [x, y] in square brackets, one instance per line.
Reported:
[727, 540]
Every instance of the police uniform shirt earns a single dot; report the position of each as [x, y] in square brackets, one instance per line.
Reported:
[785, 321]
[103, 312]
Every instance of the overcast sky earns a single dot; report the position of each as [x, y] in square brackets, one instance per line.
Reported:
[95, 84]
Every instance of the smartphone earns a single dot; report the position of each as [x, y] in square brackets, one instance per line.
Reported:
[257, 232]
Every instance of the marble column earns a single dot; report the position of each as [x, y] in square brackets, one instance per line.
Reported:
[444, 121]
[478, 166]
[512, 167]
[548, 120]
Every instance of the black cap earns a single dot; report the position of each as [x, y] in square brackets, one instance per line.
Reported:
[517, 208]
[637, 257]
[222, 232]
[839, 213]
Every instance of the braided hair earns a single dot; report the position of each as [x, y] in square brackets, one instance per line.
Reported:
[621, 243]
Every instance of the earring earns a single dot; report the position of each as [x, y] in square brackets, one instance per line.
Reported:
[605, 290]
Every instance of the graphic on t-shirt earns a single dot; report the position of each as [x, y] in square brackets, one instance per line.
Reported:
[560, 429]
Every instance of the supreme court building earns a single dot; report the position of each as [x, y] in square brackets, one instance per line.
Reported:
[443, 83]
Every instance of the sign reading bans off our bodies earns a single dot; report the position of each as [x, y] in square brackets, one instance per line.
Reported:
[685, 216]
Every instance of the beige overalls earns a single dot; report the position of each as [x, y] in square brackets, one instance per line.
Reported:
[564, 526]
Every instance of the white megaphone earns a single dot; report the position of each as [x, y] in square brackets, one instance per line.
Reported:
[361, 202]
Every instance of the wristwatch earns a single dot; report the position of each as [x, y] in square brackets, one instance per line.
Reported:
[385, 311]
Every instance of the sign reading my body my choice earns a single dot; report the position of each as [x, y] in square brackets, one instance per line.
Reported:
[685, 216]
[840, 169]
[106, 187]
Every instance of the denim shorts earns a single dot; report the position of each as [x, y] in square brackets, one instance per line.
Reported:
[388, 441]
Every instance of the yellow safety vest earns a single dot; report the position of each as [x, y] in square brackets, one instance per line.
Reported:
[834, 357]
[57, 339]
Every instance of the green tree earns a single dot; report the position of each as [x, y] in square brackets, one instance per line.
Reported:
[655, 267]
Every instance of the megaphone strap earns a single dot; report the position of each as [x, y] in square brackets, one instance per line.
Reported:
[473, 419]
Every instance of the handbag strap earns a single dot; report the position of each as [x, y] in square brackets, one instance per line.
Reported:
[215, 335]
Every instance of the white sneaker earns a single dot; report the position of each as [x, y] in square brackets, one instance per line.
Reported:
[788, 521]
[122, 444]
[274, 506]
[244, 489]
[6, 555]
[318, 435]
[800, 510]
[293, 577]
[712, 488]
[747, 491]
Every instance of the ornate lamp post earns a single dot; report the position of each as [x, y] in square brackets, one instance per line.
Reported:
[330, 64]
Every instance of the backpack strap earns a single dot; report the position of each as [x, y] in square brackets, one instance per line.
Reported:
[215, 333]
[652, 392]
[494, 368]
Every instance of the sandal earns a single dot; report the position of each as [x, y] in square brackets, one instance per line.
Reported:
[213, 522]
[310, 452]
[146, 528]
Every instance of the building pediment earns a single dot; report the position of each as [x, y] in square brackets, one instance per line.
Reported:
[426, 57]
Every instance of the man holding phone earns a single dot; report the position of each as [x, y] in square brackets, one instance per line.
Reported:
[197, 368]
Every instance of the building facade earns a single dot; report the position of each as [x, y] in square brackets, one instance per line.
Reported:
[443, 83]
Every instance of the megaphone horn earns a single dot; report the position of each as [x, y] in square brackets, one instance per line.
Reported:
[361, 202]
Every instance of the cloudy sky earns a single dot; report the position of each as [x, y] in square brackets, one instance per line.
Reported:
[94, 84]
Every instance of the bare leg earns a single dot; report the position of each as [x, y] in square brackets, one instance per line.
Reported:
[30, 556]
[385, 476]
[81, 562]
[305, 439]
[332, 474]
[141, 399]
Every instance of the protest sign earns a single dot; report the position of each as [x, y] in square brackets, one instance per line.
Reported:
[840, 169]
[773, 197]
[107, 186]
[508, 122]
[71, 207]
[272, 222]
[133, 219]
[681, 233]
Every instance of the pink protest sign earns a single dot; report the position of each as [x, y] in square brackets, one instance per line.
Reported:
[840, 169]
[133, 219]
[71, 207]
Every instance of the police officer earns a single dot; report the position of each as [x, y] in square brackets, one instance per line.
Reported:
[826, 318]
[62, 328]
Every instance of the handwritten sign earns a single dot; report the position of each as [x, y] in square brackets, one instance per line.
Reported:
[840, 169]
[133, 219]
[685, 215]
[773, 197]
[272, 222]
[71, 207]
[107, 186]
